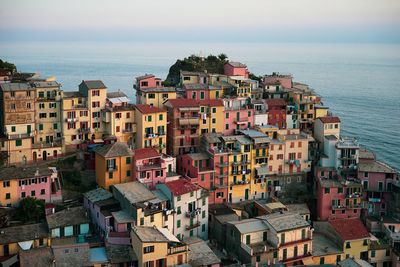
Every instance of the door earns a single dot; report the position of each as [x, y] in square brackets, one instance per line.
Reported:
[47, 139]
[6, 250]
[170, 168]
[28, 130]
[34, 156]
[55, 153]
[246, 194]
[44, 155]
[295, 251]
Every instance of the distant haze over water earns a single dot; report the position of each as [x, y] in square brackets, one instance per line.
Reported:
[360, 83]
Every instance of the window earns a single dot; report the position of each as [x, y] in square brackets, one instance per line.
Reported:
[247, 239]
[18, 142]
[6, 184]
[327, 190]
[149, 118]
[110, 175]
[202, 177]
[387, 253]
[148, 249]
[348, 245]
[95, 104]
[214, 110]
[152, 218]
[365, 242]
[372, 253]
[227, 126]
[128, 173]
[366, 174]
[227, 115]
[338, 258]
[141, 221]
[203, 227]
[191, 194]
[95, 114]
[203, 214]
[340, 190]
[8, 195]
[33, 193]
[83, 113]
[179, 210]
[12, 128]
[164, 95]
[179, 198]
[284, 254]
[160, 117]
[128, 160]
[203, 201]
[214, 120]
[178, 224]
[322, 260]
[151, 96]
[282, 238]
[202, 95]
[43, 191]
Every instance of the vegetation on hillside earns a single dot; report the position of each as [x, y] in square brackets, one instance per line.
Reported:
[213, 64]
[30, 209]
[4, 65]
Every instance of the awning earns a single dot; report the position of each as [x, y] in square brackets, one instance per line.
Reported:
[25, 245]
[262, 170]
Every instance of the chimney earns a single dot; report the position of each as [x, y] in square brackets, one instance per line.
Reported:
[326, 249]
[37, 172]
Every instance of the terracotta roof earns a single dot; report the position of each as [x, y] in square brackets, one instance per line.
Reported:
[350, 229]
[275, 102]
[236, 64]
[329, 119]
[212, 102]
[146, 153]
[181, 186]
[118, 149]
[146, 109]
[183, 102]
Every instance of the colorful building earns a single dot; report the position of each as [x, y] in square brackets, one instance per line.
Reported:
[147, 81]
[113, 164]
[190, 203]
[284, 80]
[183, 126]
[337, 197]
[149, 167]
[325, 126]
[151, 127]
[239, 115]
[155, 96]
[196, 91]
[211, 116]
[68, 222]
[276, 112]
[193, 77]
[156, 246]
[236, 69]
[325, 251]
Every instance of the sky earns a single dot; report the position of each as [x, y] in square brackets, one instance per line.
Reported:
[205, 20]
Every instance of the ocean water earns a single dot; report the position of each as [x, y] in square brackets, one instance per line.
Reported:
[360, 83]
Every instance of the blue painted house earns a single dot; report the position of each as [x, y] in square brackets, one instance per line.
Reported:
[68, 222]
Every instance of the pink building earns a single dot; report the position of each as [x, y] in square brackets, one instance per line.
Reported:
[199, 168]
[147, 81]
[197, 91]
[239, 115]
[285, 80]
[337, 198]
[150, 168]
[236, 69]
[376, 178]
[36, 181]
[277, 112]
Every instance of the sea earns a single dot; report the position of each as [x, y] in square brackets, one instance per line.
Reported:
[360, 83]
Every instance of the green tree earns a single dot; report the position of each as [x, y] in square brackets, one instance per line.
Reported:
[255, 77]
[4, 65]
[30, 209]
[222, 56]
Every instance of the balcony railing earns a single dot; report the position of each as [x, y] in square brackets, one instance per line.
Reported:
[148, 167]
[193, 213]
[189, 121]
[71, 119]
[84, 130]
[112, 168]
[179, 249]
[190, 227]
[128, 130]
[244, 162]
[223, 164]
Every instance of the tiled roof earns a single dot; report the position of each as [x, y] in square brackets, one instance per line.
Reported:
[72, 94]
[46, 84]
[118, 149]
[97, 194]
[95, 84]
[181, 186]
[275, 102]
[200, 254]
[145, 153]
[375, 166]
[195, 86]
[146, 109]
[67, 217]
[193, 73]
[157, 89]
[350, 229]
[329, 119]
[135, 192]
[237, 64]
[119, 93]
[183, 102]
[250, 225]
[284, 221]
[36, 257]
[16, 87]
[23, 233]
[29, 171]
[146, 76]
[212, 102]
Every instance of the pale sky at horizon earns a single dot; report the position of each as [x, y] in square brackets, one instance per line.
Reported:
[219, 15]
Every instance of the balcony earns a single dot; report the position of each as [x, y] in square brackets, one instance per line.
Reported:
[258, 248]
[147, 167]
[338, 207]
[287, 260]
[223, 164]
[20, 136]
[244, 162]
[128, 130]
[218, 175]
[112, 168]
[189, 121]
[71, 119]
[193, 213]
[177, 249]
[84, 130]
[190, 227]
[241, 182]
[239, 172]
[204, 193]
[55, 143]
[242, 121]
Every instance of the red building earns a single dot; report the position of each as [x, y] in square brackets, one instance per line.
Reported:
[337, 198]
[149, 167]
[197, 91]
[285, 80]
[236, 69]
[183, 126]
[199, 168]
[147, 81]
[277, 112]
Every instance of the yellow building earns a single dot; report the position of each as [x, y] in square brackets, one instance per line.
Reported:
[155, 96]
[321, 111]
[48, 112]
[242, 84]
[325, 251]
[151, 127]
[113, 164]
[192, 77]
[211, 116]
[17, 238]
[8, 191]
[156, 246]
[119, 118]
